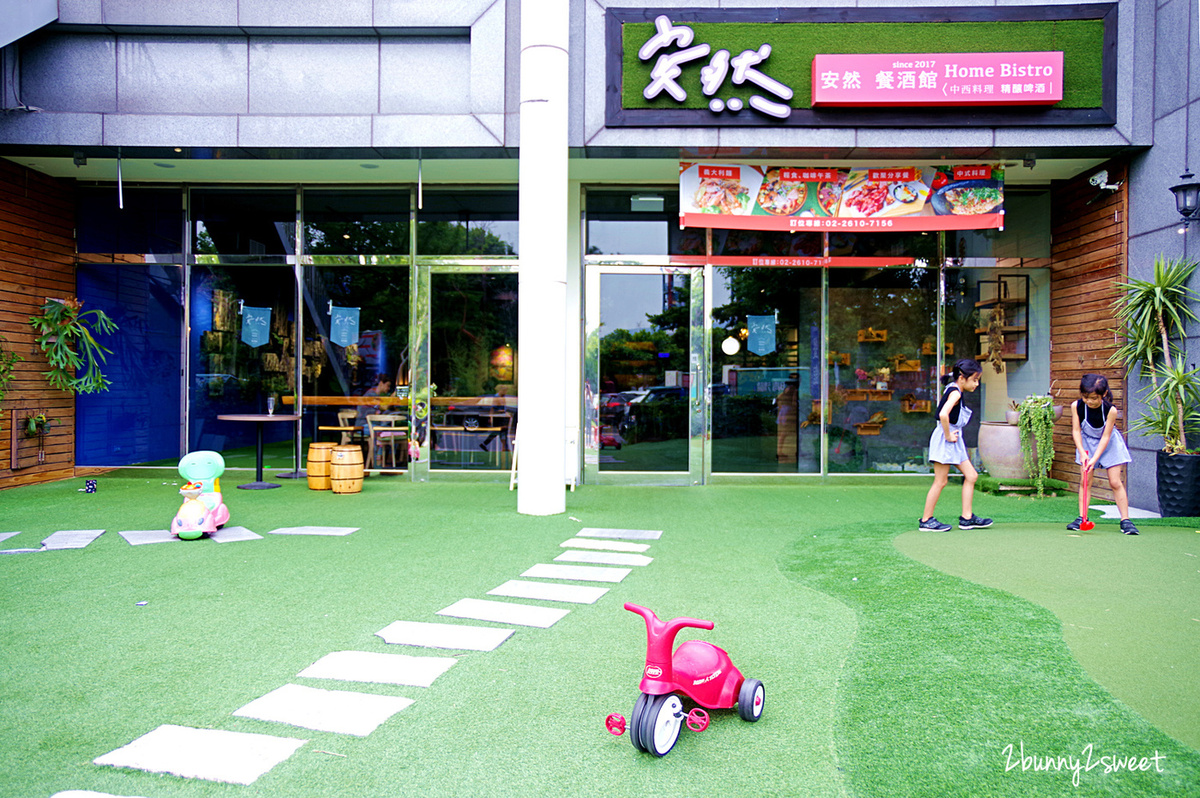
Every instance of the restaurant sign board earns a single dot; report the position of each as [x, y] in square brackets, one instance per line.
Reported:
[930, 79]
[798, 198]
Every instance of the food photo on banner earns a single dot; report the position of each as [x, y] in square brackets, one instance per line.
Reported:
[906, 198]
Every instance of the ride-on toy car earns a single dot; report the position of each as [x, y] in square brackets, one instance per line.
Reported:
[698, 669]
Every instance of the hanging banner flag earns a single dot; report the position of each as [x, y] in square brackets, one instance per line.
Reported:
[761, 338]
[256, 325]
[343, 327]
[881, 199]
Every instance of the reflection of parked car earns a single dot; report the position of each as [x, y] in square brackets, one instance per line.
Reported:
[662, 393]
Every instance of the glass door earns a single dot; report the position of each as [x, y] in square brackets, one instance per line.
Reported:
[646, 375]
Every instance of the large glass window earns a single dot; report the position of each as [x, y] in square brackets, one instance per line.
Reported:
[243, 225]
[344, 226]
[240, 358]
[645, 341]
[136, 220]
[468, 223]
[137, 421]
[643, 222]
[766, 371]
[473, 369]
[881, 366]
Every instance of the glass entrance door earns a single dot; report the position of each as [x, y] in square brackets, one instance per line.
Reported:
[645, 365]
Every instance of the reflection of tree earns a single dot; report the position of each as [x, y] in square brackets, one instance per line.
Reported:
[459, 238]
[339, 238]
[792, 295]
[630, 359]
[899, 300]
[381, 294]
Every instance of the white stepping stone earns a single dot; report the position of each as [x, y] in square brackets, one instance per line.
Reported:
[71, 538]
[579, 573]
[627, 534]
[338, 711]
[503, 612]
[314, 530]
[6, 535]
[140, 537]
[444, 635]
[19, 551]
[211, 754]
[603, 545]
[88, 794]
[233, 534]
[604, 558]
[367, 666]
[548, 591]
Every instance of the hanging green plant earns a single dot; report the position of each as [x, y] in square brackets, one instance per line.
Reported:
[37, 424]
[8, 362]
[67, 338]
[1035, 423]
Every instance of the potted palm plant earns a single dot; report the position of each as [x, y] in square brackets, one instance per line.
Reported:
[1154, 315]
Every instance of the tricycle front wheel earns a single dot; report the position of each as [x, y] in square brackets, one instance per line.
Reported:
[661, 724]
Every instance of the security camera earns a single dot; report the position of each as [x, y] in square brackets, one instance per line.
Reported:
[1100, 180]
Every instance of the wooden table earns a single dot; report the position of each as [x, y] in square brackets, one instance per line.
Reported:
[259, 419]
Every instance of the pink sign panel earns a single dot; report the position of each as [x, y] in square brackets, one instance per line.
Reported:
[916, 79]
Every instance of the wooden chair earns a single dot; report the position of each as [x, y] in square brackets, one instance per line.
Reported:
[345, 426]
[386, 432]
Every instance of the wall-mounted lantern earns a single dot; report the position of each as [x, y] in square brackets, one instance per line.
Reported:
[1187, 200]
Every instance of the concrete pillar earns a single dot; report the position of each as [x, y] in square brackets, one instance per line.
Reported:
[543, 249]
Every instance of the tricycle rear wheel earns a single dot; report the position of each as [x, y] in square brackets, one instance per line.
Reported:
[751, 699]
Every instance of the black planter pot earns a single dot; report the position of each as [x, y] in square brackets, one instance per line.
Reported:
[1178, 484]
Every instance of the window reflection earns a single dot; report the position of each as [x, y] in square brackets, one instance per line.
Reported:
[367, 223]
[468, 223]
[243, 226]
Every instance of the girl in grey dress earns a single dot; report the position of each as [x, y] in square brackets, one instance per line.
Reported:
[1098, 443]
[946, 448]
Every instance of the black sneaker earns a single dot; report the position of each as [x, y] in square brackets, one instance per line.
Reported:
[1128, 528]
[1074, 525]
[974, 522]
[931, 524]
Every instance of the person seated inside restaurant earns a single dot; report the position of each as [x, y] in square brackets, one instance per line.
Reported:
[382, 387]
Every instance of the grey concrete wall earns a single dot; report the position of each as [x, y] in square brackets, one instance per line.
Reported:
[1153, 220]
[267, 73]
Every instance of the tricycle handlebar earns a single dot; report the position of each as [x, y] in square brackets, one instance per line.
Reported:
[671, 626]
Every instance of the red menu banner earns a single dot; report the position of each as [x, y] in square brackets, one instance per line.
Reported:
[797, 198]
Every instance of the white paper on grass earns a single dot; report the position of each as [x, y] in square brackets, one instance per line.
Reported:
[367, 666]
[211, 754]
[503, 612]
[71, 538]
[579, 573]
[549, 591]
[338, 711]
[444, 635]
[604, 558]
[314, 530]
[603, 545]
[627, 534]
[89, 794]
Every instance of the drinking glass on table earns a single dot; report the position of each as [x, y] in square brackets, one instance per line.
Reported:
[270, 405]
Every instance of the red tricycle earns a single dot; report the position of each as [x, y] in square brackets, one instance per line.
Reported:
[701, 671]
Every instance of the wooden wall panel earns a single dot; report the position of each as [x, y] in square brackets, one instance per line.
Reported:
[1088, 259]
[37, 262]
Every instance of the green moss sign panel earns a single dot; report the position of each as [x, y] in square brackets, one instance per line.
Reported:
[1087, 44]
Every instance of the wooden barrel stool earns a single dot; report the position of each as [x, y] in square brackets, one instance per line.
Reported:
[346, 469]
[318, 465]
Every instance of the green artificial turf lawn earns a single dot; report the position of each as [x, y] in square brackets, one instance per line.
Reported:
[884, 676]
